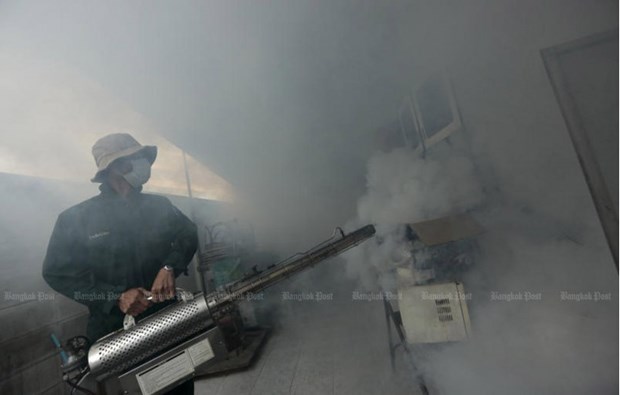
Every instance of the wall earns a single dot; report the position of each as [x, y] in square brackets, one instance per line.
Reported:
[492, 52]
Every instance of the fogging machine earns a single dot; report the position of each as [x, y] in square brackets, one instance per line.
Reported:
[174, 344]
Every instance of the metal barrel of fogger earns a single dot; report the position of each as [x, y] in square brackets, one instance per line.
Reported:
[123, 349]
[284, 270]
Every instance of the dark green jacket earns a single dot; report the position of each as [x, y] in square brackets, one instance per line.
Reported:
[108, 244]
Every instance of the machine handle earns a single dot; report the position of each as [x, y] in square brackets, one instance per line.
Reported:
[129, 321]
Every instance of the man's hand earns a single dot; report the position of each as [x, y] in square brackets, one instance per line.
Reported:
[163, 287]
[133, 301]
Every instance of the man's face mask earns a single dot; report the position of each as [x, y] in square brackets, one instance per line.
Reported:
[140, 172]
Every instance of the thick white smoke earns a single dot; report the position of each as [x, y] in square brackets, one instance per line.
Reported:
[533, 332]
[400, 181]
[398, 186]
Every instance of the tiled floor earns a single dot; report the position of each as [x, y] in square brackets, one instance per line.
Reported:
[328, 347]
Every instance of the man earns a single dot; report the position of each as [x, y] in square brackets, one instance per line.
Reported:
[113, 251]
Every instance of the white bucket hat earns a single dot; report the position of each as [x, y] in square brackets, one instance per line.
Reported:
[118, 145]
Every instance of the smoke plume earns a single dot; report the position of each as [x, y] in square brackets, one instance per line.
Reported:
[542, 310]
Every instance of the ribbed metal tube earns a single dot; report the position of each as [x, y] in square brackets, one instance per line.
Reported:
[124, 349]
